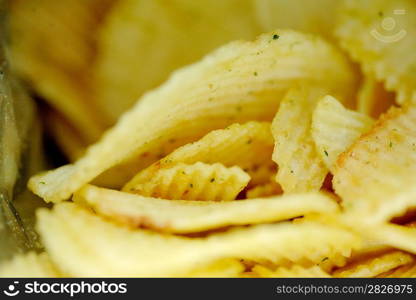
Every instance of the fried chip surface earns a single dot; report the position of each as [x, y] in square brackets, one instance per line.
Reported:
[29, 265]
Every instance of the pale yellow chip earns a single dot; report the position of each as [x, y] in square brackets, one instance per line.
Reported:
[373, 266]
[240, 81]
[143, 41]
[265, 190]
[314, 16]
[295, 271]
[335, 128]
[194, 182]
[380, 35]
[373, 176]
[29, 265]
[82, 244]
[300, 167]
[197, 216]
[373, 99]
[52, 45]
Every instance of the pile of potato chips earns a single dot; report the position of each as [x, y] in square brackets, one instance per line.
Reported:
[287, 155]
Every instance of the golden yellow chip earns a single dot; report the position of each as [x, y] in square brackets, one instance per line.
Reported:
[82, 244]
[300, 168]
[226, 268]
[197, 216]
[375, 170]
[295, 271]
[194, 182]
[396, 236]
[373, 266]
[240, 81]
[143, 41]
[380, 35]
[335, 128]
[29, 265]
[248, 146]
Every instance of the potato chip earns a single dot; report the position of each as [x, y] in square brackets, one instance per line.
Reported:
[75, 239]
[335, 128]
[301, 169]
[249, 146]
[225, 268]
[377, 167]
[264, 190]
[52, 45]
[373, 266]
[239, 82]
[397, 236]
[295, 271]
[314, 16]
[194, 182]
[379, 34]
[29, 265]
[407, 271]
[197, 216]
[143, 41]
[373, 100]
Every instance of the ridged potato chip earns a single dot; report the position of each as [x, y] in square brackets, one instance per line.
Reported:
[29, 265]
[373, 266]
[196, 216]
[226, 268]
[52, 46]
[300, 168]
[143, 41]
[249, 146]
[82, 244]
[396, 236]
[380, 35]
[296, 271]
[194, 182]
[335, 128]
[375, 170]
[239, 82]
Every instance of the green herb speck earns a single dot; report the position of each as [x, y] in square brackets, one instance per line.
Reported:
[255, 73]
[276, 36]
[326, 153]
[212, 180]
[191, 185]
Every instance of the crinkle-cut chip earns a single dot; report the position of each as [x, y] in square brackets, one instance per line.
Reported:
[314, 16]
[380, 35]
[239, 82]
[400, 237]
[264, 190]
[226, 268]
[197, 216]
[373, 100]
[377, 167]
[150, 39]
[52, 45]
[248, 146]
[82, 244]
[65, 135]
[373, 266]
[335, 128]
[29, 265]
[194, 182]
[300, 168]
[295, 271]
[407, 271]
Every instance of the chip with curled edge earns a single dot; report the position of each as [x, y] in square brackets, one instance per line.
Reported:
[239, 82]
